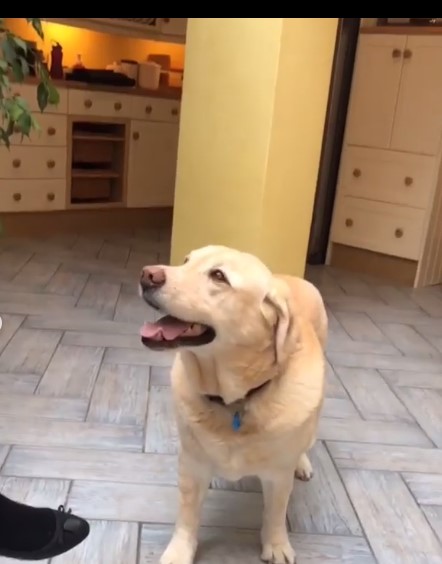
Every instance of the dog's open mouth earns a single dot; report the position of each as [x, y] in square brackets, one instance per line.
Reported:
[170, 332]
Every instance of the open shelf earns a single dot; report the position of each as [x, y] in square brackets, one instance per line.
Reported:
[97, 163]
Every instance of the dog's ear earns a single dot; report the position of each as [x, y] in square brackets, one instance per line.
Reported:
[277, 299]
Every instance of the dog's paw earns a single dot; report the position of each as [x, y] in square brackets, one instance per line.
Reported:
[304, 470]
[178, 552]
[281, 553]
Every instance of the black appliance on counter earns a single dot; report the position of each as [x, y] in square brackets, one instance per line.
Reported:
[100, 76]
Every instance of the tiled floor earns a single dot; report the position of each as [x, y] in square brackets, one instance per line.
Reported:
[85, 414]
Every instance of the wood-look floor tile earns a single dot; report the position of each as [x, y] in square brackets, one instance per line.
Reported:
[67, 284]
[143, 357]
[100, 293]
[11, 383]
[161, 431]
[89, 464]
[83, 321]
[382, 432]
[322, 505]
[244, 547]
[72, 372]
[106, 340]
[406, 379]
[158, 504]
[426, 407]
[408, 340]
[116, 253]
[48, 432]
[372, 395]
[35, 273]
[340, 408]
[29, 351]
[385, 457]
[360, 327]
[10, 324]
[120, 395]
[109, 542]
[160, 376]
[434, 516]
[426, 488]
[384, 362]
[39, 406]
[4, 451]
[395, 526]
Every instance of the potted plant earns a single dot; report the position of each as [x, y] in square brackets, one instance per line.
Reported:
[14, 64]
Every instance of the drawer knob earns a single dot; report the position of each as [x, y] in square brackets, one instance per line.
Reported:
[357, 172]
[17, 196]
[408, 54]
[51, 131]
[148, 109]
[51, 163]
[50, 196]
[16, 163]
[398, 233]
[88, 103]
[408, 181]
[396, 53]
[174, 111]
[166, 20]
[118, 106]
[135, 135]
[349, 222]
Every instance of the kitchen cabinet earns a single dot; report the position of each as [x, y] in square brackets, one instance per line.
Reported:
[174, 26]
[389, 191]
[375, 87]
[96, 149]
[418, 116]
[396, 94]
[152, 164]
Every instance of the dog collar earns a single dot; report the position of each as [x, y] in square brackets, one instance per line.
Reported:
[238, 406]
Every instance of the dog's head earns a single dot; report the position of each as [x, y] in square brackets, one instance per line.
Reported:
[218, 298]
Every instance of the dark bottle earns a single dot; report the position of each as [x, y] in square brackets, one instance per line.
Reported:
[56, 70]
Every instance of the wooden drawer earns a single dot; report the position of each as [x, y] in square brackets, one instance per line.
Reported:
[388, 176]
[32, 195]
[383, 228]
[53, 132]
[156, 109]
[29, 93]
[99, 104]
[33, 162]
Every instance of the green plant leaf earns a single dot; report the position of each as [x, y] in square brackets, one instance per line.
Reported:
[21, 102]
[25, 123]
[54, 95]
[42, 96]
[20, 43]
[36, 24]
[3, 65]
[17, 70]
[15, 112]
[8, 48]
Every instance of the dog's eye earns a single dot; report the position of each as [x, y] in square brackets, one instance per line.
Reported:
[219, 276]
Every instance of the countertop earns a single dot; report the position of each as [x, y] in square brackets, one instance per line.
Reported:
[403, 30]
[169, 92]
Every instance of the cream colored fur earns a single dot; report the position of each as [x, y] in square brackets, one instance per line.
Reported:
[268, 327]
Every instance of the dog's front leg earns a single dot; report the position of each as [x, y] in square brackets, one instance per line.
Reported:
[276, 547]
[193, 483]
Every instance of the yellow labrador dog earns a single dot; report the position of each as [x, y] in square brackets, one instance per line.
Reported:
[247, 382]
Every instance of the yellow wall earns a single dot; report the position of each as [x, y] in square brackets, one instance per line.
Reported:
[252, 119]
[97, 49]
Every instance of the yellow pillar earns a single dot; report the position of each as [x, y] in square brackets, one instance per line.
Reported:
[254, 103]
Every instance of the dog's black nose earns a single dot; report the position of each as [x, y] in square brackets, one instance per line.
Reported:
[152, 277]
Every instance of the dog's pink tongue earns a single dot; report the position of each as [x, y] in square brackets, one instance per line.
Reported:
[168, 328]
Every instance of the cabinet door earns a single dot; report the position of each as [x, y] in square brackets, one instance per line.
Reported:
[418, 120]
[174, 26]
[152, 164]
[375, 88]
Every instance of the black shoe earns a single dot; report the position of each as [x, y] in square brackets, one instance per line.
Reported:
[70, 531]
